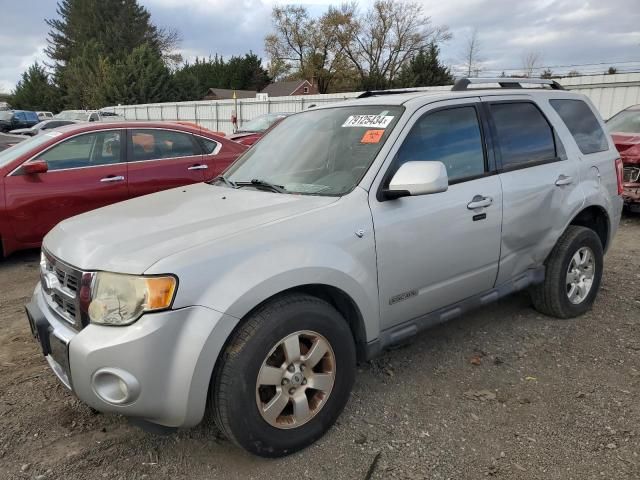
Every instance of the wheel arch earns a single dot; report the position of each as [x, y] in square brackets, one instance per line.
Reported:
[595, 218]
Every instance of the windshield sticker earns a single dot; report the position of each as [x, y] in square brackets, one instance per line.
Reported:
[372, 136]
[368, 121]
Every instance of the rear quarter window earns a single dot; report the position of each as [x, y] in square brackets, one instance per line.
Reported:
[582, 124]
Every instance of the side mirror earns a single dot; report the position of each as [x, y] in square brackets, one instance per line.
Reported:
[35, 167]
[418, 178]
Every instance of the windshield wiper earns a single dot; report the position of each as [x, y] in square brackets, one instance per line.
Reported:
[223, 179]
[262, 183]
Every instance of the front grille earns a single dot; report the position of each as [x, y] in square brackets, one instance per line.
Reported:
[61, 284]
[631, 174]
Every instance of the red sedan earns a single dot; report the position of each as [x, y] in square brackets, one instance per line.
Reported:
[71, 170]
[625, 131]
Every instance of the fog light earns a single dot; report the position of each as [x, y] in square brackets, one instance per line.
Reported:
[115, 386]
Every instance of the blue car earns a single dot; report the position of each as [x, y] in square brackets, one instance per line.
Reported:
[13, 119]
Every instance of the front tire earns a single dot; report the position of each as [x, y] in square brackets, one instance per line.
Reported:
[285, 376]
[573, 274]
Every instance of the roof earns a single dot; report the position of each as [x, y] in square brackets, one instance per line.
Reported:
[228, 93]
[283, 89]
[419, 98]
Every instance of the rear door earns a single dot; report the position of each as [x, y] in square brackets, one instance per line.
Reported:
[86, 172]
[159, 159]
[540, 183]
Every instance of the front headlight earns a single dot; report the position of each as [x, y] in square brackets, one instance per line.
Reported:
[119, 299]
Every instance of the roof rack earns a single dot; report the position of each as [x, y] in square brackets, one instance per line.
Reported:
[375, 93]
[463, 83]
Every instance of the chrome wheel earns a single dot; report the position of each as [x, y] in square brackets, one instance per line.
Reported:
[580, 275]
[295, 379]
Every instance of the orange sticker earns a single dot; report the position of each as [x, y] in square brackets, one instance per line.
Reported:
[372, 136]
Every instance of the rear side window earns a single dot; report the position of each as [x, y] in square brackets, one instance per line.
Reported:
[524, 135]
[582, 124]
[159, 144]
[449, 136]
[208, 146]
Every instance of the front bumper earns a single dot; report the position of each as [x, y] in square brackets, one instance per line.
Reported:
[163, 362]
[631, 194]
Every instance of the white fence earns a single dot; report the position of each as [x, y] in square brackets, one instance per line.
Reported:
[610, 94]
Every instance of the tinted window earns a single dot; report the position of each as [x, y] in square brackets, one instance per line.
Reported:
[524, 135]
[157, 144]
[450, 136]
[91, 149]
[31, 116]
[582, 124]
[208, 146]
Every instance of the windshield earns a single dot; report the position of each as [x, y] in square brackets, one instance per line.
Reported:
[319, 152]
[6, 115]
[627, 121]
[68, 115]
[260, 124]
[11, 153]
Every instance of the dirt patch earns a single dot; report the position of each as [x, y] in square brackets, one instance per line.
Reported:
[503, 392]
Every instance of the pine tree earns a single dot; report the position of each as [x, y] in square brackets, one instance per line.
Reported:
[141, 78]
[425, 70]
[35, 91]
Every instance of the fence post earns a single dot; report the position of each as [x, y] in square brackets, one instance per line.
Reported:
[302, 104]
[195, 111]
[135, 112]
[148, 118]
[268, 106]
[161, 112]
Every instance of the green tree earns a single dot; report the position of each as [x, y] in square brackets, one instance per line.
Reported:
[141, 78]
[35, 91]
[425, 70]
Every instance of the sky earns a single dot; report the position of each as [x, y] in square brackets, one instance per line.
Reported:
[560, 32]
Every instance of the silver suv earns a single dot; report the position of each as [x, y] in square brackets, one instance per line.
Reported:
[345, 230]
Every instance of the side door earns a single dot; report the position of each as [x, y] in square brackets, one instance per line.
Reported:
[85, 172]
[435, 250]
[160, 159]
[540, 183]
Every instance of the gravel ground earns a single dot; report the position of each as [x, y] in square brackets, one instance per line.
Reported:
[503, 392]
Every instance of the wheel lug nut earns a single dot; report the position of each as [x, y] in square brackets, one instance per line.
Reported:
[285, 381]
[304, 381]
[302, 367]
[291, 368]
[292, 391]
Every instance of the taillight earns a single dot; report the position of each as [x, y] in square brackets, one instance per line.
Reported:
[619, 169]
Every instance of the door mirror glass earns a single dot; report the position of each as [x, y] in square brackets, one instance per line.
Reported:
[33, 168]
[418, 178]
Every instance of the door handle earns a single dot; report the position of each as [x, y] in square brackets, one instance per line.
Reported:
[564, 180]
[198, 167]
[112, 178]
[479, 202]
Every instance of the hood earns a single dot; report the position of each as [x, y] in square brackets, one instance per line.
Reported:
[131, 236]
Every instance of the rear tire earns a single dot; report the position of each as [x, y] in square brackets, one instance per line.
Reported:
[259, 369]
[573, 274]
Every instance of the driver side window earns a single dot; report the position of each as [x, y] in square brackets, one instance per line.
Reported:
[450, 136]
[88, 150]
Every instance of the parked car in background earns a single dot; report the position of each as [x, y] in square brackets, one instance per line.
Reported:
[44, 115]
[70, 170]
[251, 131]
[42, 126]
[347, 229]
[79, 115]
[625, 131]
[13, 119]
[9, 140]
